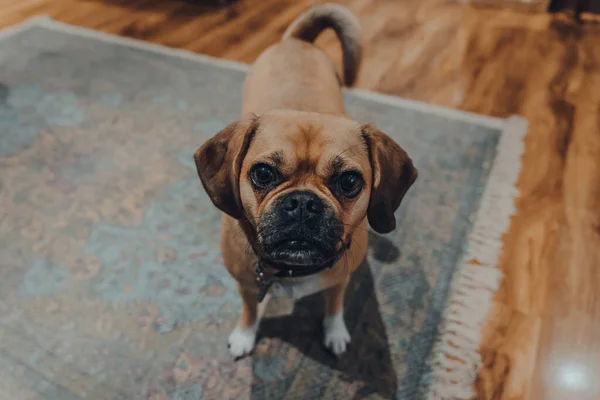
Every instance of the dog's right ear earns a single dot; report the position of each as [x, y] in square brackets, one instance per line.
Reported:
[219, 162]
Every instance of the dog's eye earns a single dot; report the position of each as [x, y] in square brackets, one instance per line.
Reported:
[350, 184]
[262, 175]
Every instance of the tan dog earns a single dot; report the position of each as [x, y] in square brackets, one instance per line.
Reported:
[297, 180]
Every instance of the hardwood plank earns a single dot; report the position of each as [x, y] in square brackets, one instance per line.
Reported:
[506, 372]
[569, 361]
[218, 40]
[266, 35]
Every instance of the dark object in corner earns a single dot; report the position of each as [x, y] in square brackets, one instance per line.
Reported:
[576, 6]
[217, 3]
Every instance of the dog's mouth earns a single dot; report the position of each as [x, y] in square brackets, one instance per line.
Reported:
[298, 253]
[300, 246]
[297, 245]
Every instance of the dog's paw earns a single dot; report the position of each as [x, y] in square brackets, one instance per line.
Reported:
[337, 337]
[241, 341]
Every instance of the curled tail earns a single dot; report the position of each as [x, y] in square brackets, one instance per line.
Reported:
[312, 22]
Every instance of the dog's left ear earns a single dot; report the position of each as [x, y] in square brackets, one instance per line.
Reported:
[219, 162]
[393, 174]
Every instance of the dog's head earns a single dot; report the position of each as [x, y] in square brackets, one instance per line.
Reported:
[302, 183]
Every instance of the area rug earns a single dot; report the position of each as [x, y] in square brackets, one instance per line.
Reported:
[111, 281]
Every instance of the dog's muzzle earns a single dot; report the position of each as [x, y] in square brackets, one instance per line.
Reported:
[299, 232]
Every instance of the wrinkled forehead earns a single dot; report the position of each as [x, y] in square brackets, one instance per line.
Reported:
[313, 142]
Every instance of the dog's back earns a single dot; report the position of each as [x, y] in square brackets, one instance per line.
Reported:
[298, 74]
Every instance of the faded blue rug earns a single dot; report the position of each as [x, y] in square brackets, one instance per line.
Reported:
[111, 281]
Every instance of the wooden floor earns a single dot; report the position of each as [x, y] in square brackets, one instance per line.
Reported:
[542, 340]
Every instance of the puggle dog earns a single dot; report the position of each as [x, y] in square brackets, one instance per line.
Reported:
[297, 180]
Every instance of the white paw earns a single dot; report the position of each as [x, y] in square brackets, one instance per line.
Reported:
[241, 341]
[337, 337]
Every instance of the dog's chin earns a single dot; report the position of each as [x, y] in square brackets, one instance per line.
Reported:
[299, 254]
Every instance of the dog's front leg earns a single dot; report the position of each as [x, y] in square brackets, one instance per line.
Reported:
[337, 337]
[242, 339]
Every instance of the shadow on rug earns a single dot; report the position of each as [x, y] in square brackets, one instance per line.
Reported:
[367, 359]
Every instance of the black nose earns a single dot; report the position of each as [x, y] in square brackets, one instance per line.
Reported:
[301, 206]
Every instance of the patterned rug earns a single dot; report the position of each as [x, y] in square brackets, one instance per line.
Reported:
[111, 281]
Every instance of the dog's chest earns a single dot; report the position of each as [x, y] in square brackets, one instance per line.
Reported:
[298, 287]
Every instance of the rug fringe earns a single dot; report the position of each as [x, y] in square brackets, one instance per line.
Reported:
[455, 359]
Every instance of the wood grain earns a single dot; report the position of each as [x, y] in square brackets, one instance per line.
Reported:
[542, 339]
[521, 5]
